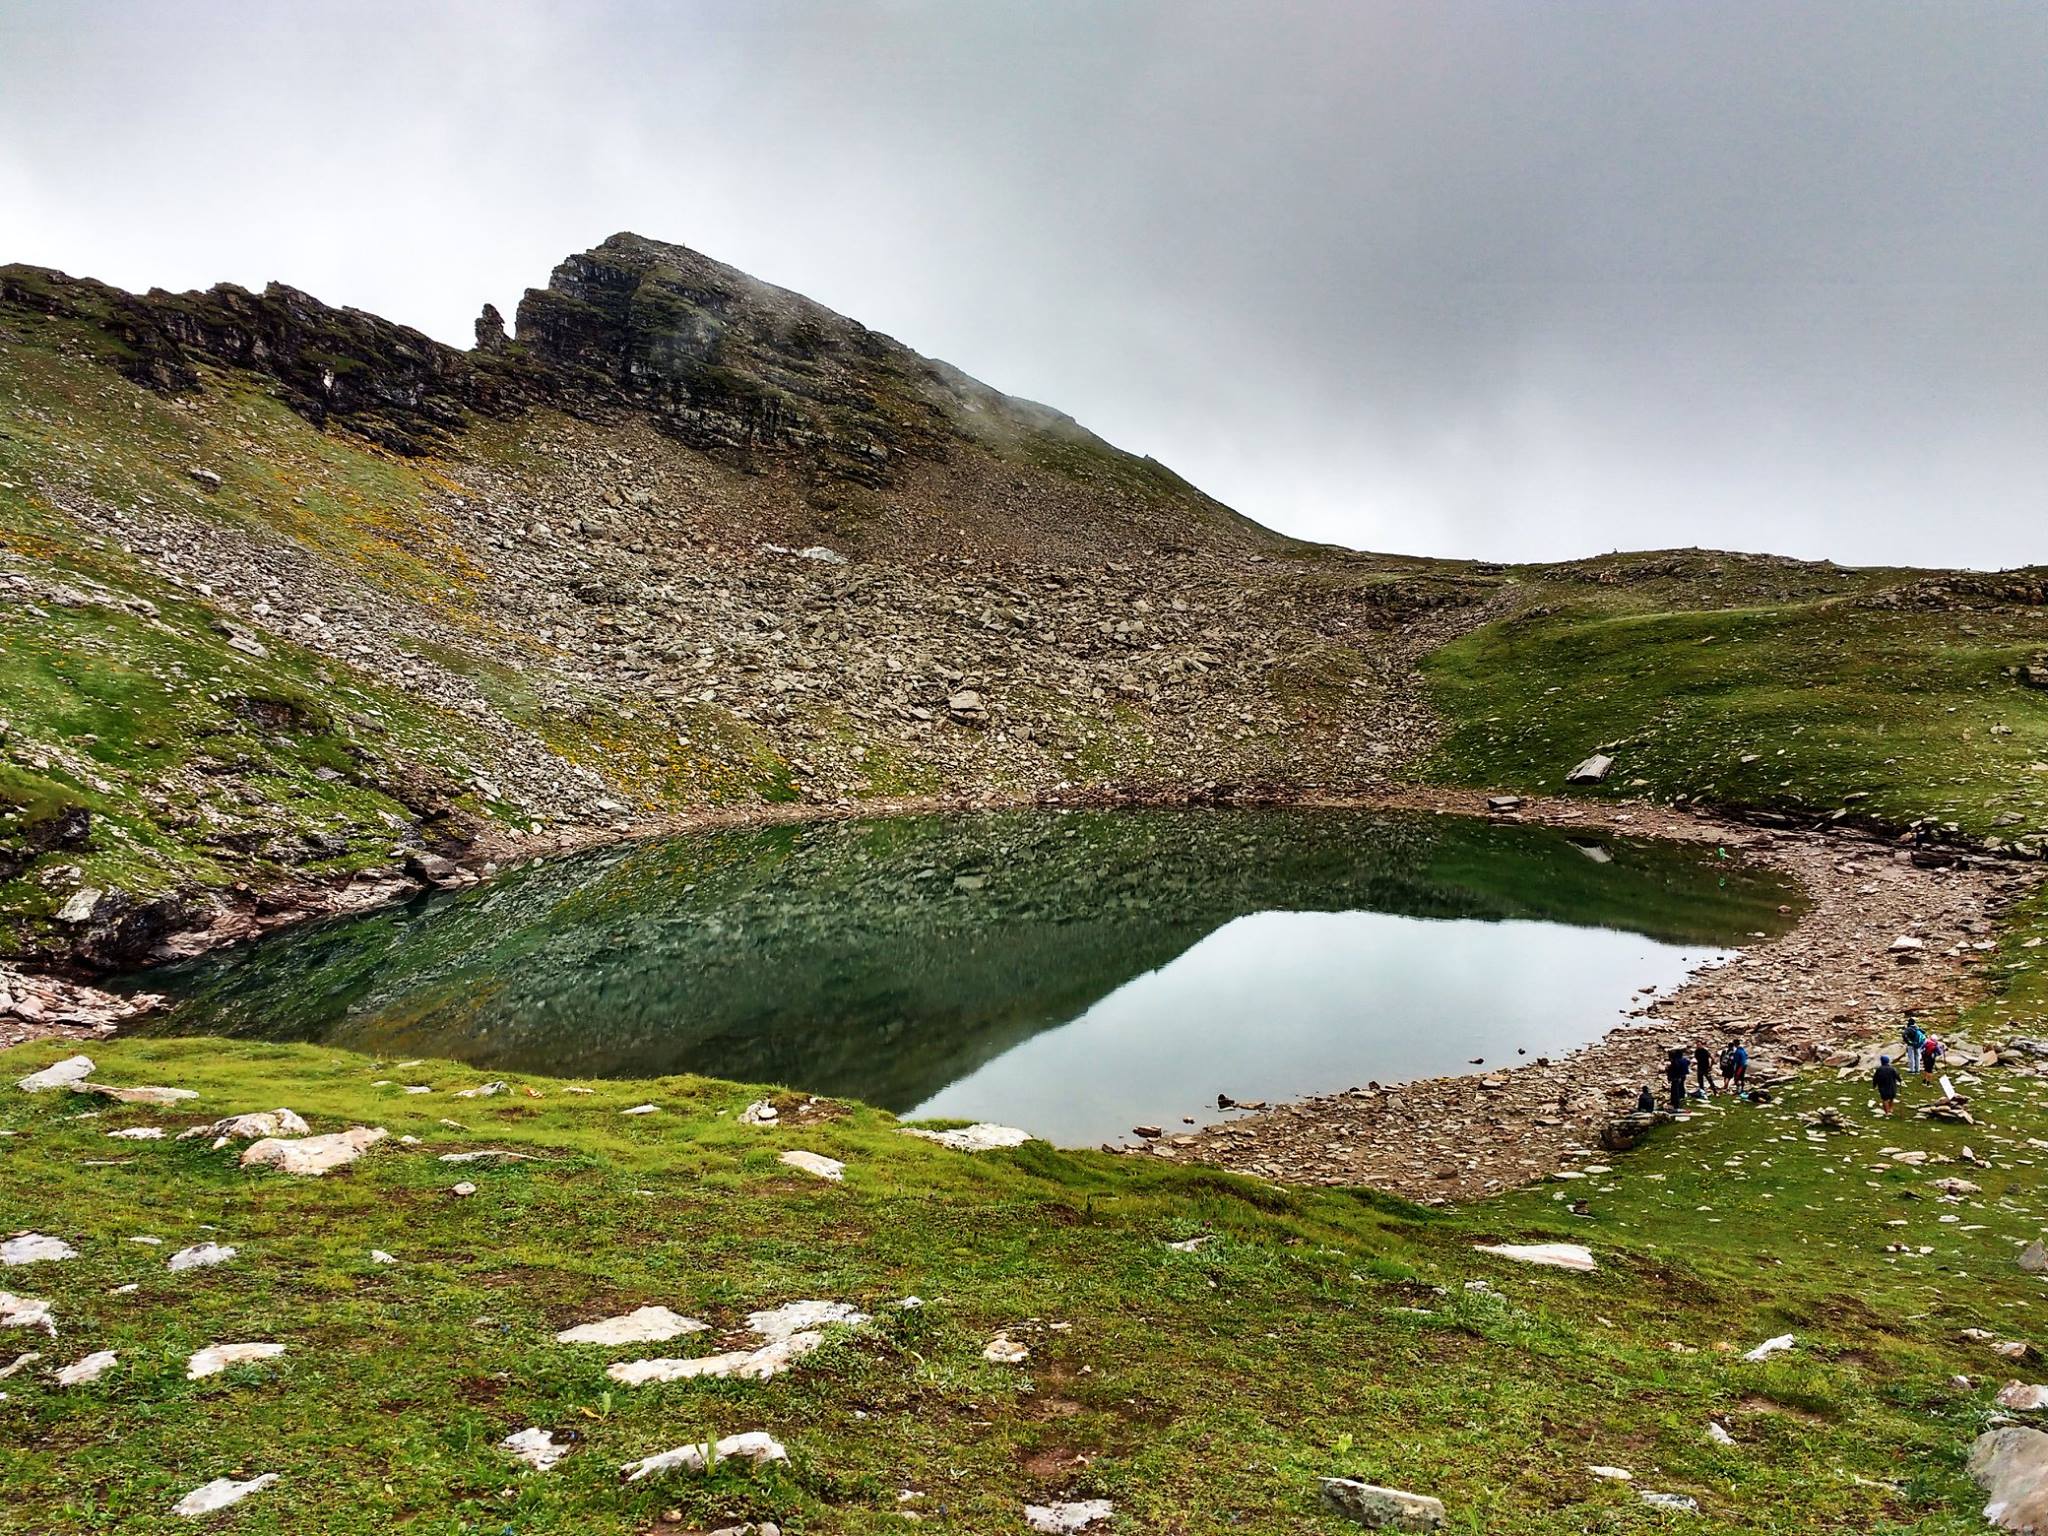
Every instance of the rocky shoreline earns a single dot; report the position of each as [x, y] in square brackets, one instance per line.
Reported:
[1885, 931]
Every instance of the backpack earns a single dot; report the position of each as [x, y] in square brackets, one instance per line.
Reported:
[1728, 1061]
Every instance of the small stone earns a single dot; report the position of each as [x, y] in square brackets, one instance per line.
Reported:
[1717, 1435]
[642, 1109]
[1770, 1347]
[464, 1190]
[1613, 1474]
[219, 1494]
[1003, 1350]
[379, 1256]
[2023, 1396]
[535, 1447]
[1677, 1503]
[1067, 1519]
[760, 1112]
[2033, 1258]
[829, 1168]
[215, 1358]
[1382, 1508]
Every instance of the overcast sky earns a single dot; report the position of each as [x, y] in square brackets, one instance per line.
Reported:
[1521, 278]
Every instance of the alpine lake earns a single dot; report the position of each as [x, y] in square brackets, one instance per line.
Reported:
[1075, 973]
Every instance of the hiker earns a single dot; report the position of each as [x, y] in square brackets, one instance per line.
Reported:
[1676, 1070]
[1915, 1037]
[1703, 1065]
[1646, 1101]
[1735, 1066]
[1887, 1079]
[1930, 1049]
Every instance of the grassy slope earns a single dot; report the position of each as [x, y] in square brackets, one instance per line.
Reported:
[1893, 716]
[1321, 1332]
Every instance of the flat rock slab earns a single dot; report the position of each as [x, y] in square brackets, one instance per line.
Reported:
[26, 1312]
[201, 1256]
[536, 1447]
[250, 1127]
[1770, 1347]
[803, 1317]
[1592, 770]
[2023, 1396]
[219, 1494]
[643, 1325]
[215, 1358]
[1388, 1509]
[84, 1372]
[72, 1069]
[983, 1137]
[792, 1331]
[1550, 1255]
[1067, 1519]
[814, 1163]
[312, 1156]
[161, 1098]
[763, 1364]
[755, 1446]
[1678, 1503]
[2011, 1466]
[35, 1248]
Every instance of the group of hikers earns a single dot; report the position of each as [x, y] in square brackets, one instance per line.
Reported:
[1921, 1052]
[1697, 1066]
[1690, 1073]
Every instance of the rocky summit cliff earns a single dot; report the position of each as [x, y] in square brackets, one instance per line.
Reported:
[300, 608]
[298, 602]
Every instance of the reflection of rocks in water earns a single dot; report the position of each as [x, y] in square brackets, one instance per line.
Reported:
[885, 959]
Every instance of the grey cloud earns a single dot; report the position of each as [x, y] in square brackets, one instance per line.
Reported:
[1504, 278]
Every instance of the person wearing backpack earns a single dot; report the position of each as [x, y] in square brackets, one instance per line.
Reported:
[1735, 1067]
[1930, 1051]
[1703, 1068]
[1676, 1069]
[1914, 1037]
[1887, 1079]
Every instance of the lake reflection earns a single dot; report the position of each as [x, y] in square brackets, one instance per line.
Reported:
[1075, 973]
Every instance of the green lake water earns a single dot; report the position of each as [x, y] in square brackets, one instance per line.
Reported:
[1075, 973]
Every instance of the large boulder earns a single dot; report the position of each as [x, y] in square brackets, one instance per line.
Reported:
[2011, 1466]
[1592, 770]
[312, 1156]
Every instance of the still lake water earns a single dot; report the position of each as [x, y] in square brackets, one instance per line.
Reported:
[1075, 973]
